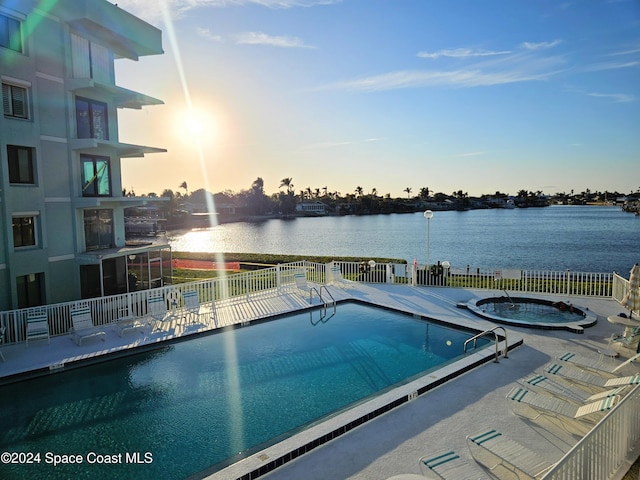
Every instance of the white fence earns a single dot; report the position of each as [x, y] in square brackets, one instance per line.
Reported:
[609, 449]
[106, 310]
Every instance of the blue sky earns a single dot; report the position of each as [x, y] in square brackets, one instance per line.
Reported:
[478, 96]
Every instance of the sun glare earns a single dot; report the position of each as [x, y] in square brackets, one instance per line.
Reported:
[195, 126]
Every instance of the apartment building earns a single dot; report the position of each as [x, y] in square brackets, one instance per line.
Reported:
[62, 234]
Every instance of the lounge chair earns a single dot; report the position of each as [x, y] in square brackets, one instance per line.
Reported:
[449, 465]
[301, 282]
[191, 305]
[628, 361]
[601, 381]
[83, 327]
[498, 453]
[532, 405]
[597, 364]
[626, 342]
[128, 323]
[573, 393]
[157, 309]
[336, 277]
[37, 325]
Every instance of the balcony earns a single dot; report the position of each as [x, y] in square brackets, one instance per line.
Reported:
[127, 35]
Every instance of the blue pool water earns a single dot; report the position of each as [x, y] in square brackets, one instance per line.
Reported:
[205, 402]
[534, 313]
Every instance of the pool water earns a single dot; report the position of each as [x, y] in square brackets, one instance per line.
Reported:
[531, 312]
[205, 402]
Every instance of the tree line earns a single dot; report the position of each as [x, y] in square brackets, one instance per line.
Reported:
[255, 201]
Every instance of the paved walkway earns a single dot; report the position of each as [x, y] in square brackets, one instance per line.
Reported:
[393, 443]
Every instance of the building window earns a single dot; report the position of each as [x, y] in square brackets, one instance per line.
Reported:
[91, 119]
[90, 60]
[98, 229]
[96, 177]
[24, 232]
[30, 289]
[10, 33]
[20, 164]
[14, 101]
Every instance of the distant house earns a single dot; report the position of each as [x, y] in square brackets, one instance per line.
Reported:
[61, 195]
[312, 208]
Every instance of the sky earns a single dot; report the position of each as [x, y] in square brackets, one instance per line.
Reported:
[478, 96]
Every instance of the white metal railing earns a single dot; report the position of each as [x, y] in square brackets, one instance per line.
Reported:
[106, 310]
[609, 449]
[563, 282]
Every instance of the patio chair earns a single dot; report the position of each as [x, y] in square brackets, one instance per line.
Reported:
[601, 381]
[628, 361]
[301, 282]
[598, 364]
[129, 323]
[498, 453]
[532, 405]
[337, 279]
[627, 342]
[191, 305]
[157, 309]
[37, 325]
[83, 327]
[573, 393]
[449, 465]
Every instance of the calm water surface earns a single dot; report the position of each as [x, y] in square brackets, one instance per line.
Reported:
[579, 238]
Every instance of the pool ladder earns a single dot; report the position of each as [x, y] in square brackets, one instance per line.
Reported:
[325, 305]
[505, 352]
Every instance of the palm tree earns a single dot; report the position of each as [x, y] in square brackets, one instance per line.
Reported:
[287, 182]
[358, 191]
[408, 190]
[184, 185]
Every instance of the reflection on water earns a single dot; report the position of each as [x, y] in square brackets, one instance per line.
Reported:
[579, 238]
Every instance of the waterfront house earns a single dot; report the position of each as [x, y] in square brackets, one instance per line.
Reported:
[312, 208]
[62, 229]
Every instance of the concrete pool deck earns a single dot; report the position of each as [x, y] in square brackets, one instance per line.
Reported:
[392, 443]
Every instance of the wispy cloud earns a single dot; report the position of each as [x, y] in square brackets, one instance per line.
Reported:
[540, 45]
[461, 53]
[206, 33]
[328, 145]
[523, 67]
[150, 11]
[598, 67]
[259, 38]
[616, 97]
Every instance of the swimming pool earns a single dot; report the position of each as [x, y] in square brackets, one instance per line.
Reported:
[198, 405]
[533, 312]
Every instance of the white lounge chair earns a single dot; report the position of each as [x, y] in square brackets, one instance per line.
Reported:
[586, 378]
[301, 282]
[37, 325]
[532, 405]
[449, 466]
[598, 364]
[82, 324]
[628, 361]
[566, 390]
[337, 279]
[191, 305]
[157, 309]
[497, 453]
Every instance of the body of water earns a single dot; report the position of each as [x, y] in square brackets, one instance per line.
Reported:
[579, 238]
